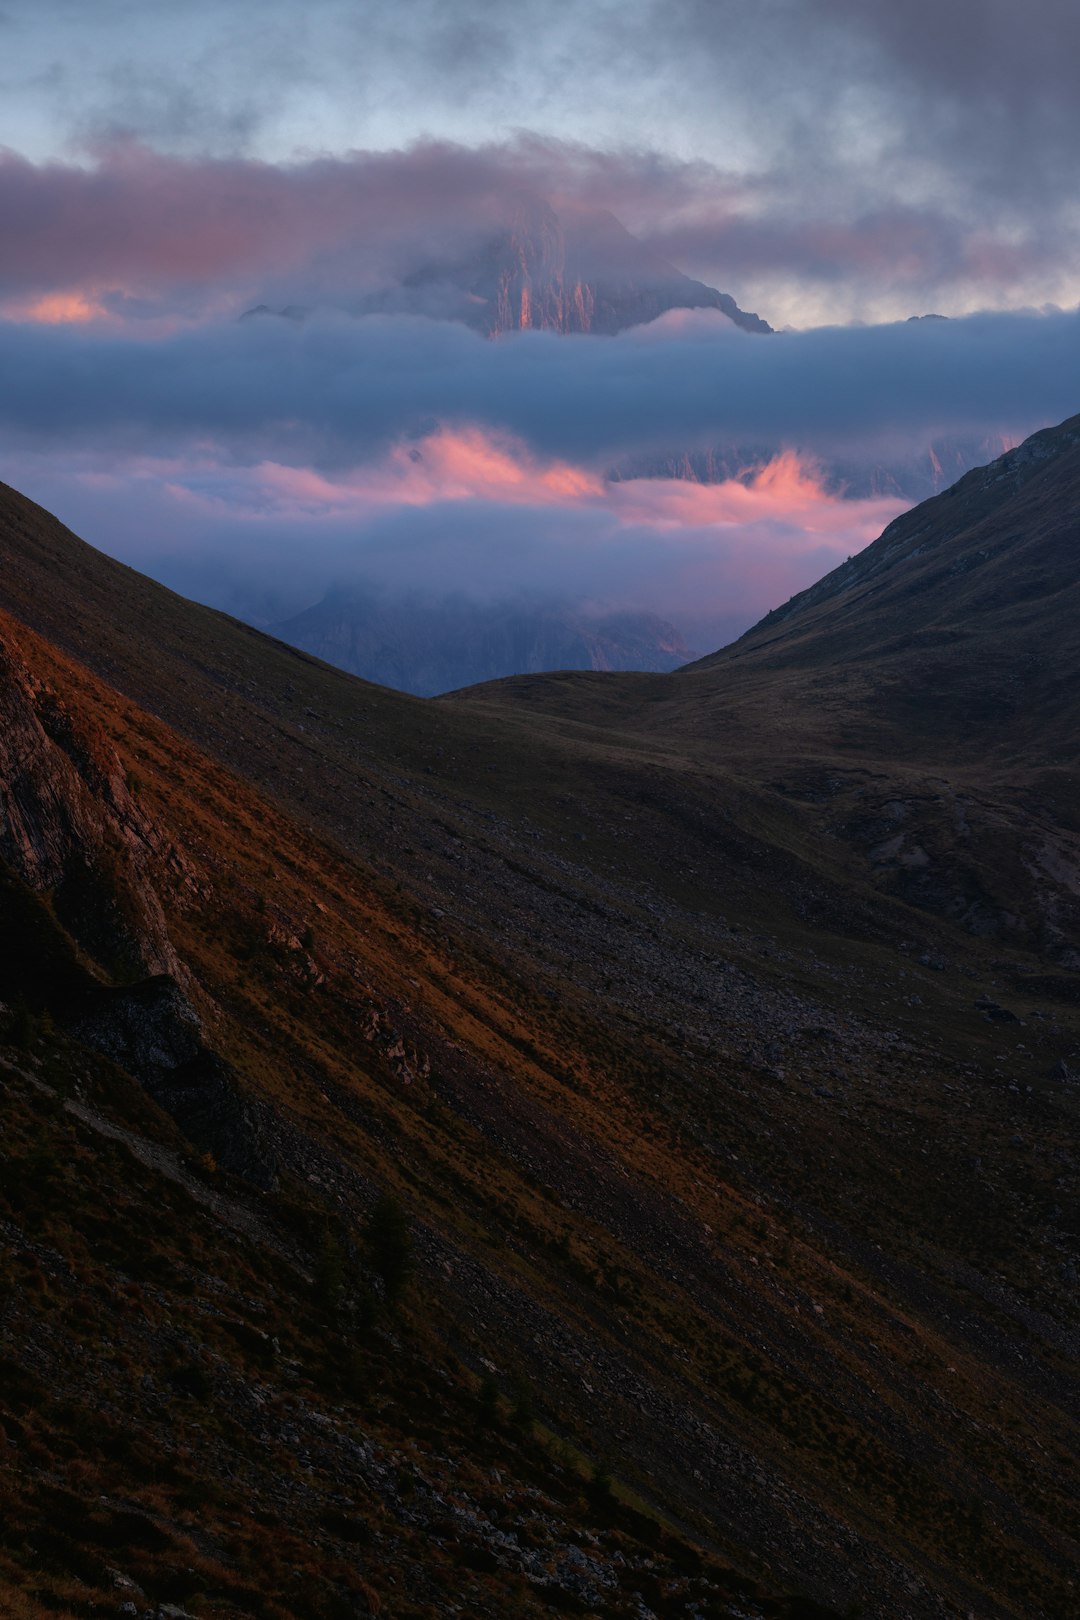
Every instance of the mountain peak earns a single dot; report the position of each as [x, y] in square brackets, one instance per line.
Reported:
[573, 270]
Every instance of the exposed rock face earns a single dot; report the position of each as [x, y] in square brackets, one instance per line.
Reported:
[430, 647]
[153, 1031]
[70, 826]
[575, 272]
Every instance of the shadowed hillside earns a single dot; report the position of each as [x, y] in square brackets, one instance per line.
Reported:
[717, 1051]
[919, 703]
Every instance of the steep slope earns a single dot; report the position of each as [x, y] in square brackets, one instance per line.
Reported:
[667, 1083]
[919, 703]
[246, 1344]
[965, 615]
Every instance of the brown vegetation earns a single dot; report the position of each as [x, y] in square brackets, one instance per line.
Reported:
[675, 1013]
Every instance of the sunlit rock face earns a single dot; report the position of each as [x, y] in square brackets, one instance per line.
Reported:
[71, 826]
[578, 271]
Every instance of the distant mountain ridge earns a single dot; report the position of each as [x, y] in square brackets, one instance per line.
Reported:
[913, 474]
[427, 647]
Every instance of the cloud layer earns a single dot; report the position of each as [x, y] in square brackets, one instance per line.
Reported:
[466, 514]
[136, 233]
[255, 462]
[822, 160]
[847, 156]
[334, 391]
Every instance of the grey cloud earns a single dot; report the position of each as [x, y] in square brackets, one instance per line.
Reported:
[989, 89]
[800, 114]
[335, 391]
[183, 233]
[974, 100]
[180, 115]
[895, 247]
[972, 85]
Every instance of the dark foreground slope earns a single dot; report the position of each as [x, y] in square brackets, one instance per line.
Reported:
[953, 639]
[221, 1389]
[920, 704]
[721, 1143]
[958, 630]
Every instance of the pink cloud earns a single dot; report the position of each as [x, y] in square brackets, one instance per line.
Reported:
[470, 464]
[138, 219]
[70, 308]
[740, 545]
[447, 465]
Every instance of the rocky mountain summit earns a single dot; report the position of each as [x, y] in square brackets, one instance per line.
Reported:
[575, 271]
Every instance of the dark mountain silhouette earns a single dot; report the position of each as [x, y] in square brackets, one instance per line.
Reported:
[600, 1143]
[965, 615]
[932, 680]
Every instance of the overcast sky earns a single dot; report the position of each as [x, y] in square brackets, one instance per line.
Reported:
[836, 165]
[830, 159]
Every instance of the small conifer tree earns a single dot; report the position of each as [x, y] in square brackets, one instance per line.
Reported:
[487, 1405]
[389, 1246]
[523, 1413]
[329, 1273]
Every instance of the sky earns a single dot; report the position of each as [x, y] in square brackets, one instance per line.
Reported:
[836, 165]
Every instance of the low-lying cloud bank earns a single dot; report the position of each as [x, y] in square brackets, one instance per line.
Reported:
[465, 515]
[333, 392]
[255, 463]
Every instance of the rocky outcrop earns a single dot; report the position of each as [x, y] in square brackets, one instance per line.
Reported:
[72, 831]
[71, 827]
[152, 1031]
[576, 271]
